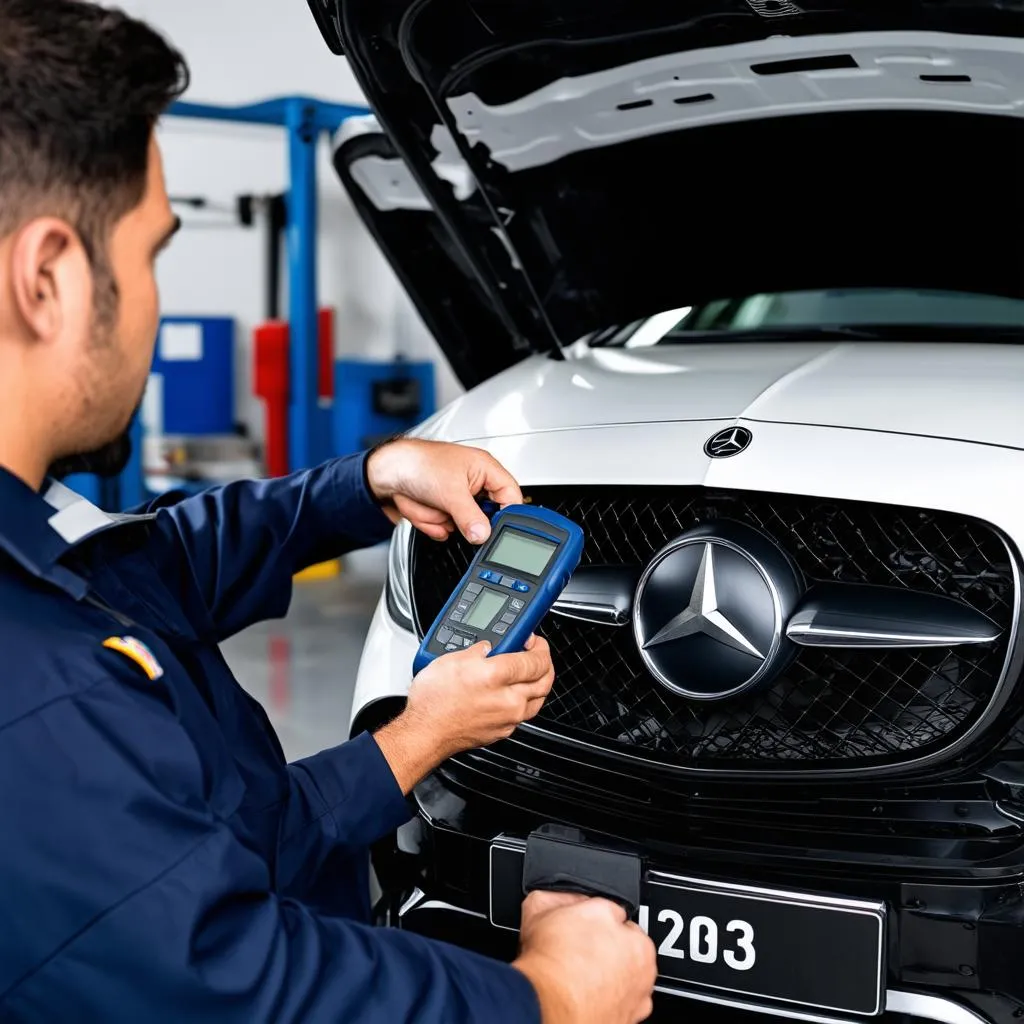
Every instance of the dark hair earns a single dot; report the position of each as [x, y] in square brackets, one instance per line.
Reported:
[81, 89]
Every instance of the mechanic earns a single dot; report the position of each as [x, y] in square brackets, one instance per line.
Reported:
[160, 861]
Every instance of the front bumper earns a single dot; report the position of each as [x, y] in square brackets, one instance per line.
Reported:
[954, 950]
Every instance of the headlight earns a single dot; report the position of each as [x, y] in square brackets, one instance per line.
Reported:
[397, 590]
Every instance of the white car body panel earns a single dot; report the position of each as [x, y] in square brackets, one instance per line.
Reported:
[385, 667]
[904, 389]
[890, 440]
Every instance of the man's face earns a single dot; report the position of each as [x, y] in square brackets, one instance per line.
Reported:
[116, 348]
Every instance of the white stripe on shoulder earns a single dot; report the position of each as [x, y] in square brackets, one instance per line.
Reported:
[76, 518]
[60, 497]
[76, 522]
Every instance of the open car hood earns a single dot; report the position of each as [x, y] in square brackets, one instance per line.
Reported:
[542, 169]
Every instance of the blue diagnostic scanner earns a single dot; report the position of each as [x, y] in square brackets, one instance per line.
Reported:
[514, 579]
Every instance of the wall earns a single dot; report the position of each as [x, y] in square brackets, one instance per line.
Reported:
[243, 52]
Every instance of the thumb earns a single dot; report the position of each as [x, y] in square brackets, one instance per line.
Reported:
[475, 653]
[470, 519]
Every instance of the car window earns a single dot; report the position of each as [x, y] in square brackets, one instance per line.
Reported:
[849, 308]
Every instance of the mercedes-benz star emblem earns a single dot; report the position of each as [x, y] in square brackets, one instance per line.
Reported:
[730, 441]
[702, 614]
[710, 611]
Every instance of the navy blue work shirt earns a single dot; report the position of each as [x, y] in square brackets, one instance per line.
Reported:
[159, 859]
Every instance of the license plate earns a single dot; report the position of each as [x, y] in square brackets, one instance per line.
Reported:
[765, 945]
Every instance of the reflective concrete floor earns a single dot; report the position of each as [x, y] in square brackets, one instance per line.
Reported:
[302, 668]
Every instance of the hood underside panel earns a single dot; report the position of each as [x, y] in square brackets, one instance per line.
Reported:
[840, 201]
[621, 160]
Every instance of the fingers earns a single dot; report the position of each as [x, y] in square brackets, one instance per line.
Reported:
[499, 483]
[477, 652]
[529, 674]
[536, 690]
[469, 517]
[434, 485]
[647, 974]
[520, 708]
[523, 702]
[533, 708]
[518, 665]
[527, 666]
[483, 474]
[608, 909]
[434, 522]
[540, 901]
[645, 1012]
[433, 532]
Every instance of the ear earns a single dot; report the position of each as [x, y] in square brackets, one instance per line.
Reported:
[51, 278]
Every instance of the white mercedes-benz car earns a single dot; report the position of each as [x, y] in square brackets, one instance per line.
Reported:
[737, 286]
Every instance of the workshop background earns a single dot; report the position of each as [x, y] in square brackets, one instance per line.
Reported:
[302, 668]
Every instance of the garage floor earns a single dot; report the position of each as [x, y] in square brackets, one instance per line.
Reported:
[302, 669]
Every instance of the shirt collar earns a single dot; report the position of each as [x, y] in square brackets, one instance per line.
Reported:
[38, 528]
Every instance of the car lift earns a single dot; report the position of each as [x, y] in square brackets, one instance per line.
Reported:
[305, 119]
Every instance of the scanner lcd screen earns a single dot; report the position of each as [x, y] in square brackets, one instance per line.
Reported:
[485, 607]
[521, 552]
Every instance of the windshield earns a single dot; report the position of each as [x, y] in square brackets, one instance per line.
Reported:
[862, 312]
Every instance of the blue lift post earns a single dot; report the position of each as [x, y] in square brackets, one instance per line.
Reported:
[305, 119]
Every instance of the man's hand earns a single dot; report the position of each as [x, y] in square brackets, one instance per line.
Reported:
[434, 485]
[464, 700]
[586, 961]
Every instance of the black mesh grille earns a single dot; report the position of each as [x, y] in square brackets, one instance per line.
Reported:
[832, 708]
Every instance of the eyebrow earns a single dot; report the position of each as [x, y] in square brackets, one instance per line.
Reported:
[168, 235]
